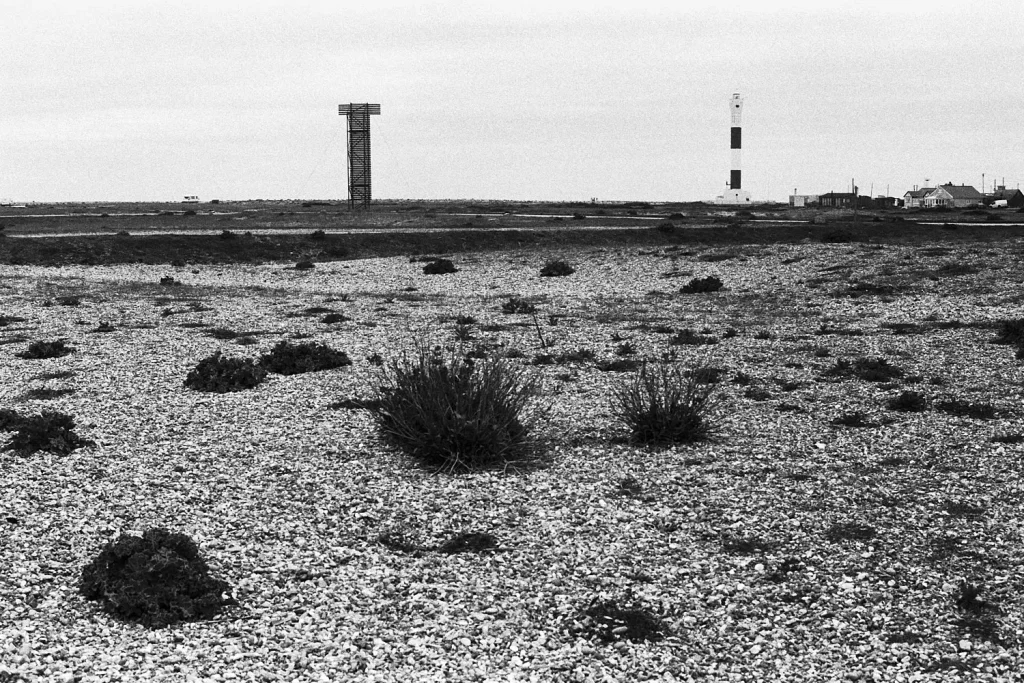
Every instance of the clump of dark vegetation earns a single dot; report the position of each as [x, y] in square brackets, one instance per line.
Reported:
[457, 414]
[6, 320]
[333, 318]
[103, 328]
[516, 305]
[1010, 332]
[228, 235]
[856, 419]
[687, 337]
[465, 320]
[441, 266]
[220, 374]
[839, 236]
[1008, 438]
[757, 393]
[850, 531]
[287, 358]
[49, 431]
[908, 402]
[702, 285]
[662, 405]
[707, 374]
[463, 333]
[867, 369]
[858, 289]
[961, 408]
[609, 622]
[745, 545]
[625, 349]
[46, 349]
[46, 393]
[157, 580]
[69, 300]
[221, 333]
[468, 542]
[618, 364]
[305, 264]
[318, 235]
[556, 268]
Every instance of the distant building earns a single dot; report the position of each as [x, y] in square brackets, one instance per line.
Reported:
[953, 196]
[802, 199]
[190, 199]
[1013, 198]
[914, 199]
[844, 200]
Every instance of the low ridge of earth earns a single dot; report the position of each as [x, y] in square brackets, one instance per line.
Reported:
[820, 535]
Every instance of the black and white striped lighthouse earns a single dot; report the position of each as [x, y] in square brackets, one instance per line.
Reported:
[735, 194]
[736, 144]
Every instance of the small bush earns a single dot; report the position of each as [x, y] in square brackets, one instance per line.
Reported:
[46, 393]
[291, 359]
[757, 393]
[618, 364]
[49, 431]
[625, 349]
[856, 419]
[578, 216]
[69, 301]
[318, 235]
[46, 349]
[333, 318]
[1010, 332]
[219, 374]
[850, 531]
[103, 328]
[227, 235]
[305, 264]
[867, 369]
[463, 333]
[908, 402]
[457, 414]
[557, 268]
[517, 305]
[688, 337]
[662, 405]
[702, 285]
[465, 320]
[156, 580]
[606, 621]
[441, 266]
[961, 408]
[221, 333]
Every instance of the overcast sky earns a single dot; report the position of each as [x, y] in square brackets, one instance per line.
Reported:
[520, 100]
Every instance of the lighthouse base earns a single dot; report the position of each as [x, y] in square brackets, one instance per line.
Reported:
[733, 197]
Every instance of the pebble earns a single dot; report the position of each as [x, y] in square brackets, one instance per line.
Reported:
[965, 645]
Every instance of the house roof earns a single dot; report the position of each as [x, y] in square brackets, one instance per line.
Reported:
[1005, 194]
[962, 192]
[917, 194]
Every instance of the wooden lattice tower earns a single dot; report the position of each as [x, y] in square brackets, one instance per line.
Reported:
[358, 150]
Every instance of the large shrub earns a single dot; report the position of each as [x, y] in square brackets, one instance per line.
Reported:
[557, 268]
[441, 266]
[457, 414]
[220, 374]
[156, 580]
[49, 431]
[702, 285]
[291, 359]
[665, 404]
[46, 349]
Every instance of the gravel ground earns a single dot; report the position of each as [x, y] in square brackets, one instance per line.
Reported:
[747, 546]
